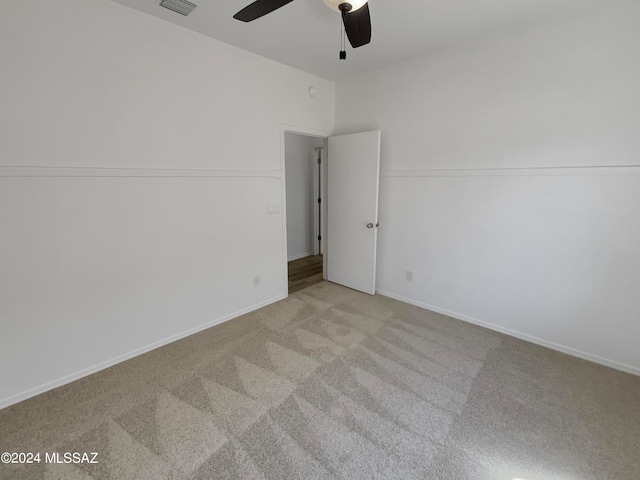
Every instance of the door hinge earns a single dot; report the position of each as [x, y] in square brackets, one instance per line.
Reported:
[319, 161]
[319, 200]
[319, 237]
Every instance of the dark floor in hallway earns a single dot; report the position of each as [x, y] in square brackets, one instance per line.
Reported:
[304, 272]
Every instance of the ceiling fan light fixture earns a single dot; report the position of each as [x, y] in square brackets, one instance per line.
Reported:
[355, 4]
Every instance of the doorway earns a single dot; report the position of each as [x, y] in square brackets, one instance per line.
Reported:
[348, 193]
[304, 162]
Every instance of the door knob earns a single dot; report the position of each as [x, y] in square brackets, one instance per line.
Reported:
[369, 225]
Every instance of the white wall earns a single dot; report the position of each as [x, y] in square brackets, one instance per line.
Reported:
[299, 167]
[502, 188]
[137, 159]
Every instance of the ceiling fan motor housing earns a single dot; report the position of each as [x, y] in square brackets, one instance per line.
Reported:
[345, 7]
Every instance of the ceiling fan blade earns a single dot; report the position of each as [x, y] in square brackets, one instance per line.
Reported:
[358, 26]
[259, 8]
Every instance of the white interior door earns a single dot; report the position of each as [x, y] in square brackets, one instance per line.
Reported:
[352, 210]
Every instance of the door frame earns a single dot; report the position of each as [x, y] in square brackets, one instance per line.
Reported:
[310, 132]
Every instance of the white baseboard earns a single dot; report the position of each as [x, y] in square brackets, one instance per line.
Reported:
[32, 392]
[302, 255]
[514, 333]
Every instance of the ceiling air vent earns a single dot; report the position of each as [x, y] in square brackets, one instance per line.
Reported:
[183, 7]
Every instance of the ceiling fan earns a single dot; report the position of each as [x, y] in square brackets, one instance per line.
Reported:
[355, 17]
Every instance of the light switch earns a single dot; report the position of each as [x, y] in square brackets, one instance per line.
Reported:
[273, 208]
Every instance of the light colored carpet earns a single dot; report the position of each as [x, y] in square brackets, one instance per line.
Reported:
[331, 383]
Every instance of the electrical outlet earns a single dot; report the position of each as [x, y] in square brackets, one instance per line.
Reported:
[409, 275]
[256, 281]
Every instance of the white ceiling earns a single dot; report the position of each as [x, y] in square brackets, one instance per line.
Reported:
[305, 34]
